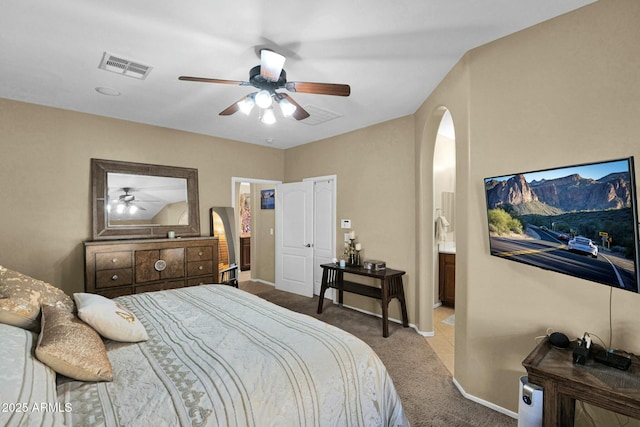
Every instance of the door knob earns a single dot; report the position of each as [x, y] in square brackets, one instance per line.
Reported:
[308, 245]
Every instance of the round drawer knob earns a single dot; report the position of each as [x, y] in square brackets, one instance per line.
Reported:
[200, 268]
[114, 277]
[114, 260]
[160, 265]
[200, 253]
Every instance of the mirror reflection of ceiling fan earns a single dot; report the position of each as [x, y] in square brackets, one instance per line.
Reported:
[127, 202]
[268, 77]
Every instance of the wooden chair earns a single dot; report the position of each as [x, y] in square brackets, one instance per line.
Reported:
[229, 276]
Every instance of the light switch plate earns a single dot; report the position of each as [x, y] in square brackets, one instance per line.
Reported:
[345, 223]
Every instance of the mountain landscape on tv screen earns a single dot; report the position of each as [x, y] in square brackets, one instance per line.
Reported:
[556, 196]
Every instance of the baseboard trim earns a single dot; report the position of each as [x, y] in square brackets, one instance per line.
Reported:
[263, 282]
[484, 402]
[391, 319]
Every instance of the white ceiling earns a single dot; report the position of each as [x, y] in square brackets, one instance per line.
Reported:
[392, 54]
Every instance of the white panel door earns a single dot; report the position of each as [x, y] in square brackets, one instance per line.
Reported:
[294, 238]
[324, 229]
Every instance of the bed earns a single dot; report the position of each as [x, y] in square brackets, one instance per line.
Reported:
[218, 356]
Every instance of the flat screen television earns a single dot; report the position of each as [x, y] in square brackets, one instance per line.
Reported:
[579, 220]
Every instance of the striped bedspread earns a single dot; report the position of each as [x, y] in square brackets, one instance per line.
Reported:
[218, 356]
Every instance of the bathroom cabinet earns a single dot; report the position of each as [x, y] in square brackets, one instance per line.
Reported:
[447, 279]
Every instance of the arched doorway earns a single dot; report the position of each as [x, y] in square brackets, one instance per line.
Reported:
[444, 247]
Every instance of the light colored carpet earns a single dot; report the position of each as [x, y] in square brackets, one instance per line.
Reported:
[424, 384]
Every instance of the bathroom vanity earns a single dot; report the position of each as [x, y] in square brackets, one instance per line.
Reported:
[447, 273]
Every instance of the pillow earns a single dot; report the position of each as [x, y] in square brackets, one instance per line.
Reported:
[22, 296]
[71, 347]
[27, 383]
[110, 319]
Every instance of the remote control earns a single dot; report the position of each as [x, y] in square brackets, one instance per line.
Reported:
[612, 359]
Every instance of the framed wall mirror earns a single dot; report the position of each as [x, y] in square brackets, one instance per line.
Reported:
[138, 200]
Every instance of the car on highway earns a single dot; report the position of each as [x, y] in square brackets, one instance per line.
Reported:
[584, 245]
[564, 237]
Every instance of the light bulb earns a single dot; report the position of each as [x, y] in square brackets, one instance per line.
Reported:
[268, 117]
[133, 209]
[246, 105]
[286, 107]
[120, 208]
[263, 99]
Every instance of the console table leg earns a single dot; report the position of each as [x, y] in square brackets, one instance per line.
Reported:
[385, 308]
[403, 303]
[323, 288]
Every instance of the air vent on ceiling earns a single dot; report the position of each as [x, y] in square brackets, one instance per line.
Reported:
[318, 115]
[124, 66]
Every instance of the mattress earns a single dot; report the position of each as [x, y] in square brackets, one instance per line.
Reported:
[218, 356]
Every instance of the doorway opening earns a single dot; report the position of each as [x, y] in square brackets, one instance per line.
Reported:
[444, 190]
[255, 229]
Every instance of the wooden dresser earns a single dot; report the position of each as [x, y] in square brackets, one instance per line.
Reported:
[124, 267]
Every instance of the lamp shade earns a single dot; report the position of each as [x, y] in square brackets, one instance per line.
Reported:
[263, 99]
[268, 116]
[286, 107]
[246, 105]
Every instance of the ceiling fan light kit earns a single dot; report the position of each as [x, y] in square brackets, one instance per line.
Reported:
[268, 77]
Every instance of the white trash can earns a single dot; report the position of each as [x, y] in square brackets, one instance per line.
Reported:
[530, 407]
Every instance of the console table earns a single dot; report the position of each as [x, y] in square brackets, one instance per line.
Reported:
[564, 382]
[390, 287]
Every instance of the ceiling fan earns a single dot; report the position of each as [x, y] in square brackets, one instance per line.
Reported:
[125, 202]
[268, 77]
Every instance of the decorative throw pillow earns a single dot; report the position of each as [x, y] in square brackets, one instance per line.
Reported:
[27, 383]
[71, 347]
[110, 319]
[22, 296]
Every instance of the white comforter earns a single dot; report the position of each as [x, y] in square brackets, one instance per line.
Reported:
[218, 356]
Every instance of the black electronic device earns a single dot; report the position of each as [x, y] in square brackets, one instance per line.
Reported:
[612, 359]
[559, 340]
[581, 352]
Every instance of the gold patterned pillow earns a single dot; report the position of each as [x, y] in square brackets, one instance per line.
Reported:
[21, 298]
[71, 347]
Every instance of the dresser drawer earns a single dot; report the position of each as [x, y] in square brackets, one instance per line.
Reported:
[115, 292]
[205, 280]
[202, 253]
[112, 260]
[160, 286]
[111, 278]
[199, 268]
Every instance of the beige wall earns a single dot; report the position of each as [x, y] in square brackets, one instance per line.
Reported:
[375, 189]
[560, 93]
[45, 180]
[263, 243]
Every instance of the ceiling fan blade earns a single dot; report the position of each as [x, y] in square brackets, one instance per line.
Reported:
[207, 80]
[233, 108]
[300, 113]
[319, 88]
[271, 64]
